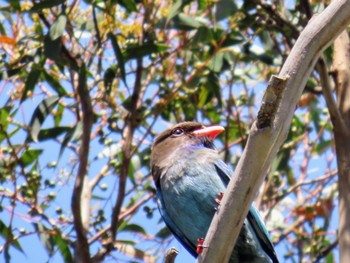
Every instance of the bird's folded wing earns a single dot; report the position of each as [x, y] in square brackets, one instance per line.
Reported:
[261, 232]
[172, 226]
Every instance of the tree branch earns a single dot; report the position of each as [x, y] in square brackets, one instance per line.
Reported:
[263, 144]
[341, 65]
[82, 253]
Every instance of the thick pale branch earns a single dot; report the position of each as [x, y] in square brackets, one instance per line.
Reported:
[263, 144]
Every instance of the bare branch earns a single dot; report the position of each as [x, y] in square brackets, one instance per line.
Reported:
[263, 144]
[82, 253]
[341, 66]
[171, 255]
[337, 119]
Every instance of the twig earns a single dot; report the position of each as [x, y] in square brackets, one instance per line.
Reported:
[326, 251]
[171, 255]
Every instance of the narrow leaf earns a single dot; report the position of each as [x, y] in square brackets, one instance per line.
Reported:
[52, 133]
[5, 232]
[54, 83]
[41, 112]
[119, 55]
[144, 50]
[129, 5]
[45, 238]
[134, 228]
[63, 247]
[58, 27]
[38, 6]
[73, 135]
[29, 156]
[32, 80]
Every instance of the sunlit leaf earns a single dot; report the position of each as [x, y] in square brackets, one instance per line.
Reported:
[184, 22]
[29, 156]
[57, 28]
[63, 247]
[6, 233]
[45, 237]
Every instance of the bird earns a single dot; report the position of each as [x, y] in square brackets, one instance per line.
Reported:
[190, 177]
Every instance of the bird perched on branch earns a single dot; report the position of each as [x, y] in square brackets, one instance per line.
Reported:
[189, 176]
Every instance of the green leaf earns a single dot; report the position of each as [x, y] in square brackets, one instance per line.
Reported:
[5, 232]
[73, 135]
[52, 48]
[63, 247]
[38, 6]
[97, 197]
[108, 78]
[202, 4]
[41, 112]
[185, 22]
[133, 228]
[216, 62]
[15, 4]
[57, 28]
[32, 80]
[203, 36]
[45, 238]
[163, 233]
[129, 5]
[175, 9]
[59, 114]
[54, 83]
[119, 55]
[29, 156]
[225, 8]
[144, 50]
[52, 133]
[4, 113]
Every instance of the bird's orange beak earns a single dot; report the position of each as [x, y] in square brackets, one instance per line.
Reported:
[211, 132]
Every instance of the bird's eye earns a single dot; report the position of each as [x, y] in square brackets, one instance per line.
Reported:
[177, 132]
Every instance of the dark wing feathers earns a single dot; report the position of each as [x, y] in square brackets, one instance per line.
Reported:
[253, 216]
[172, 226]
[255, 220]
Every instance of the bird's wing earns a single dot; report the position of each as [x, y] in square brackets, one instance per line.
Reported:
[224, 172]
[257, 224]
[172, 226]
[254, 218]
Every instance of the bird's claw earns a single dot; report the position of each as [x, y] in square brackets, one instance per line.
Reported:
[200, 246]
[218, 200]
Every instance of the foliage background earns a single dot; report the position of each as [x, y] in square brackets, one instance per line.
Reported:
[86, 86]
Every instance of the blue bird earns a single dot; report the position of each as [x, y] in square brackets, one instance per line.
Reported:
[189, 176]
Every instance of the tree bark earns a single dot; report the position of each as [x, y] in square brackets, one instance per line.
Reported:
[341, 68]
[269, 132]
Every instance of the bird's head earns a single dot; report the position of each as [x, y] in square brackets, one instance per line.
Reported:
[185, 134]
